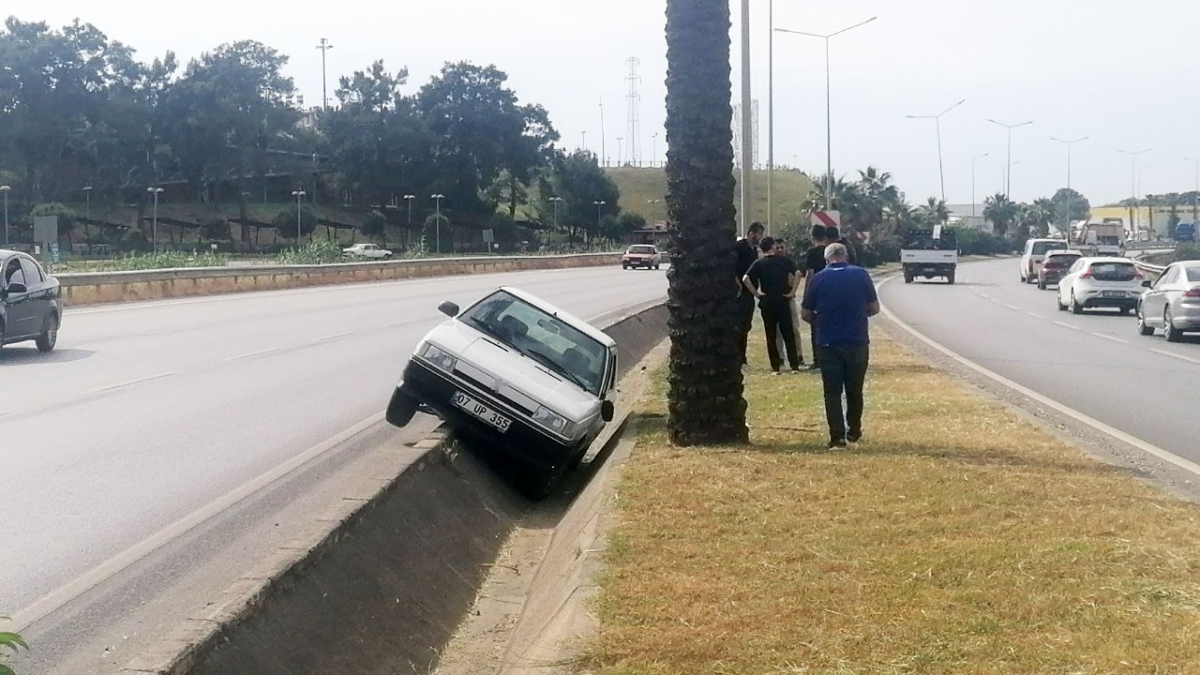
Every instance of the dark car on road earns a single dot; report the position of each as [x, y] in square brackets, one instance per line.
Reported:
[1054, 267]
[30, 302]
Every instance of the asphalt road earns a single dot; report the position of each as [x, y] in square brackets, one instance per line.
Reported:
[152, 414]
[1095, 363]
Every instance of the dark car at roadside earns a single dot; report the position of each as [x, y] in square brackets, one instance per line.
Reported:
[30, 302]
[1054, 267]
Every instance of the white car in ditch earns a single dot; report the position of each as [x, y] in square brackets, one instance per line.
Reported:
[520, 376]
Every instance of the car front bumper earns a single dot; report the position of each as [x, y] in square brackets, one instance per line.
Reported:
[523, 440]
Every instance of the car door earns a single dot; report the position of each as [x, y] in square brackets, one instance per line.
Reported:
[1158, 296]
[41, 298]
[18, 313]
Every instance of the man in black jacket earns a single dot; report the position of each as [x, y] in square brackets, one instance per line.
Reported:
[774, 281]
[747, 253]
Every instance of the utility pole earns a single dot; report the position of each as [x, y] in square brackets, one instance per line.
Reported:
[1133, 200]
[938, 122]
[1196, 194]
[770, 109]
[973, 161]
[1009, 163]
[1067, 218]
[324, 47]
[603, 140]
[747, 138]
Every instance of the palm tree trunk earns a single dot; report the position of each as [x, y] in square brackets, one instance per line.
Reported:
[705, 400]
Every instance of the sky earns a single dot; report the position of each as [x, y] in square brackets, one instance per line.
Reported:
[1122, 74]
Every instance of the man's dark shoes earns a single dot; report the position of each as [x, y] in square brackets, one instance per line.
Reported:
[854, 436]
[837, 443]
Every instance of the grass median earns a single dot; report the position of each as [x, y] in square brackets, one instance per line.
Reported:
[956, 538]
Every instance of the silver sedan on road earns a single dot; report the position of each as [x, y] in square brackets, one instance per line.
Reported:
[1172, 303]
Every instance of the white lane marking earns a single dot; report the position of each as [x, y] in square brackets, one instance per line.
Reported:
[1096, 424]
[251, 355]
[1036, 315]
[1067, 325]
[1114, 339]
[131, 383]
[331, 338]
[97, 575]
[1014, 308]
[1175, 356]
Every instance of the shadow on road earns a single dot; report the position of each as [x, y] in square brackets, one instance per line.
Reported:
[16, 355]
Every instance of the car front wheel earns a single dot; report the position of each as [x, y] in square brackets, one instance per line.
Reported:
[401, 408]
[49, 335]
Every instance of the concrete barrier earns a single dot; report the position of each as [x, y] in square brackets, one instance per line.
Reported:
[390, 578]
[105, 287]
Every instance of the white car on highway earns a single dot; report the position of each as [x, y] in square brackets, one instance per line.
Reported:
[371, 251]
[1035, 252]
[1100, 282]
[1172, 303]
[519, 375]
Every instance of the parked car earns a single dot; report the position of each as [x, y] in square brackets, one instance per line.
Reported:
[1054, 266]
[1035, 251]
[30, 302]
[367, 251]
[519, 375]
[1100, 282]
[1171, 303]
[641, 255]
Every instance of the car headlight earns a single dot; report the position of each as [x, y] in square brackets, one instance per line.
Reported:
[553, 421]
[439, 358]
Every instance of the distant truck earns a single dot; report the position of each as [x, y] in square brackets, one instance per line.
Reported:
[1185, 232]
[929, 254]
[1100, 239]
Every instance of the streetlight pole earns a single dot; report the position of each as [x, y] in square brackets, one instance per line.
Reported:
[156, 191]
[746, 130]
[1009, 163]
[324, 47]
[437, 232]
[409, 199]
[1069, 200]
[556, 201]
[973, 161]
[828, 104]
[603, 137]
[1133, 189]
[299, 194]
[654, 156]
[620, 152]
[1138, 198]
[770, 109]
[599, 208]
[5, 189]
[1196, 194]
[938, 122]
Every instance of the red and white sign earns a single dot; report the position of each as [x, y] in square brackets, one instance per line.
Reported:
[827, 218]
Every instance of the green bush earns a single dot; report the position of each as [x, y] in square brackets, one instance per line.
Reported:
[1187, 252]
[978, 242]
[317, 253]
[10, 644]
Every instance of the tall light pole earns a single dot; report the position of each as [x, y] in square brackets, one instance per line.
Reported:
[409, 199]
[156, 191]
[1133, 229]
[620, 154]
[938, 123]
[603, 138]
[1009, 163]
[828, 104]
[747, 131]
[1196, 194]
[973, 161]
[1067, 218]
[654, 155]
[437, 232]
[1138, 197]
[5, 189]
[599, 207]
[556, 201]
[299, 195]
[770, 109]
[324, 47]
[584, 146]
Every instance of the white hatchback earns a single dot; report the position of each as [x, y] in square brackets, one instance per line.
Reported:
[1100, 282]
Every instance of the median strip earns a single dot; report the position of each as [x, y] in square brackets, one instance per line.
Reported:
[957, 538]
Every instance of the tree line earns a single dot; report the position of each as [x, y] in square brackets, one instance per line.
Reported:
[78, 110]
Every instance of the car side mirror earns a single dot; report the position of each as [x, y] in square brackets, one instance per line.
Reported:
[448, 308]
[608, 411]
[15, 288]
[1147, 283]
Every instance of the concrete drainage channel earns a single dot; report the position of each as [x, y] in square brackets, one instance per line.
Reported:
[395, 572]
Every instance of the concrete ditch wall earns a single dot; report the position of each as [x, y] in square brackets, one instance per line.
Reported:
[389, 583]
[90, 289]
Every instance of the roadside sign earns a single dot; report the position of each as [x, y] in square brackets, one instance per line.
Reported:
[489, 236]
[827, 218]
[54, 252]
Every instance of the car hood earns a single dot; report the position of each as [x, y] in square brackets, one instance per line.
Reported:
[503, 370]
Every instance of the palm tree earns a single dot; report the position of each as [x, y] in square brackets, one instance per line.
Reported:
[935, 211]
[1001, 212]
[1042, 215]
[705, 403]
[878, 193]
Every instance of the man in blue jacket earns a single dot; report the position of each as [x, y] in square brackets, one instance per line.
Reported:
[838, 302]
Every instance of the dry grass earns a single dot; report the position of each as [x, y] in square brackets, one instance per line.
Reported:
[957, 538]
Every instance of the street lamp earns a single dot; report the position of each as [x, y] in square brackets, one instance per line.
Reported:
[1067, 218]
[620, 154]
[938, 122]
[1149, 207]
[1196, 194]
[5, 189]
[438, 219]
[409, 199]
[654, 155]
[299, 194]
[599, 206]
[1133, 187]
[1009, 163]
[973, 161]
[156, 191]
[556, 201]
[828, 108]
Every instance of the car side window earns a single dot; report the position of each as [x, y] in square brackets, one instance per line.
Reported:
[33, 273]
[13, 274]
[1076, 267]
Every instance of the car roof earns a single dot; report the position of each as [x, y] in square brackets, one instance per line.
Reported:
[570, 319]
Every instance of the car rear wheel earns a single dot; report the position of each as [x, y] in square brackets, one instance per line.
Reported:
[1076, 308]
[1172, 333]
[49, 335]
[950, 278]
[1143, 327]
[1041, 284]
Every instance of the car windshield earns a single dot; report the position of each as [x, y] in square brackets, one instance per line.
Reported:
[1042, 247]
[642, 250]
[1113, 271]
[1062, 261]
[542, 337]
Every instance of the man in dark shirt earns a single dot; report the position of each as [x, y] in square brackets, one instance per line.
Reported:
[773, 280]
[838, 302]
[793, 308]
[814, 261]
[834, 236]
[747, 252]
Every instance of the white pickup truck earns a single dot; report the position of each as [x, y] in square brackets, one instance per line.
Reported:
[929, 254]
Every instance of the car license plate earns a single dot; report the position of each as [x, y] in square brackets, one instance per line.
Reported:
[481, 411]
[1114, 294]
